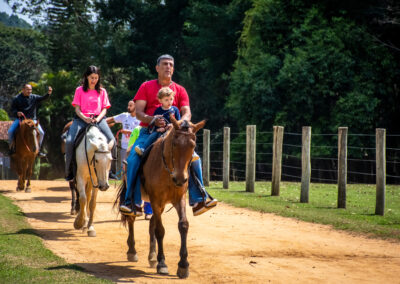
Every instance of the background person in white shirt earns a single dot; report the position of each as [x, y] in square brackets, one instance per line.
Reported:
[129, 122]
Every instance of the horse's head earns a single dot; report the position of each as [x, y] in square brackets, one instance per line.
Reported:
[30, 135]
[101, 157]
[183, 144]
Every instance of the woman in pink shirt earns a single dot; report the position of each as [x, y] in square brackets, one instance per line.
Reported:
[91, 104]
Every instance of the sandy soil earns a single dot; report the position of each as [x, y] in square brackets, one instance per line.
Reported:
[226, 244]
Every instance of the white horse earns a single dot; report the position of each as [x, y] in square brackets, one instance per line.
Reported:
[93, 159]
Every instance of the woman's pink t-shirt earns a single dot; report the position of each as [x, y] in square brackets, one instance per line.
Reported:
[91, 102]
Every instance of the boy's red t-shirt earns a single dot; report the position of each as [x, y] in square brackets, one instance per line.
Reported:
[148, 92]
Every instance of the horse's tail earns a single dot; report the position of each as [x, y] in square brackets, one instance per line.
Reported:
[120, 199]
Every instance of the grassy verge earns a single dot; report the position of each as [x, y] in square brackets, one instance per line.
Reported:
[23, 257]
[322, 208]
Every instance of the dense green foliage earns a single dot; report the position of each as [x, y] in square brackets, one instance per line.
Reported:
[13, 21]
[3, 115]
[264, 62]
[23, 257]
[23, 57]
[322, 208]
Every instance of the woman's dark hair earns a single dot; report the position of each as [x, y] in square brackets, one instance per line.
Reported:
[85, 83]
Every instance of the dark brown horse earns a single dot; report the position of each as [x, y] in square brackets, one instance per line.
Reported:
[164, 179]
[72, 184]
[27, 148]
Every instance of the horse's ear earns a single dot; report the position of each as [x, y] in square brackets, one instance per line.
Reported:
[175, 123]
[199, 125]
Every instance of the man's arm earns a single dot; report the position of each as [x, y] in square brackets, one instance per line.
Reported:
[186, 114]
[142, 116]
[46, 96]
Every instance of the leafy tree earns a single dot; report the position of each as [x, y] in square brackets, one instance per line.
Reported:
[20, 64]
[3, 115]
[13, 21]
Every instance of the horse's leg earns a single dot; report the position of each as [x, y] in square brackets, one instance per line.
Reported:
[92, 207]
[88, 192]
[183, 226]
[29, 174]
[74, 201]
[131, 253]
[152, 253]
[160, 232]
[81, 217]
[21, 174]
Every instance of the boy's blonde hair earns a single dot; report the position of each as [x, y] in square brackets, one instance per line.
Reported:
[165, 92]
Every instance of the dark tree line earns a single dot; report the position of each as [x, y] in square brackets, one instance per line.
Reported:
[264, 62]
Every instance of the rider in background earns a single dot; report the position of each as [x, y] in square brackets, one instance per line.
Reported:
[25, 105]
[91, 104]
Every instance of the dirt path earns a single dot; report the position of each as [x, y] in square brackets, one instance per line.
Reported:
[226, 245]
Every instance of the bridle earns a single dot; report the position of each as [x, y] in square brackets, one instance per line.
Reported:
[171, 172]
[93, 159]
[22, 136]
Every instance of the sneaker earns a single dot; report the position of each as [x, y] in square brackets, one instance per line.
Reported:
[148, 216]
[201, 207]
[139, 150]
[128, 210]
[212, 203]
[42, 155]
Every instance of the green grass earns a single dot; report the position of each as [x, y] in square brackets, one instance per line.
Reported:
[23, 257]
[322, 207]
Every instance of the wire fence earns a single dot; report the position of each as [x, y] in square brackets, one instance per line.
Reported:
[361, 163]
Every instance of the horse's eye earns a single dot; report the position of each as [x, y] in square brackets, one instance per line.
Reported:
[96, 161]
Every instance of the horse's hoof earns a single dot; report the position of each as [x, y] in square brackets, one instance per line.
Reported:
[152, 259]
[28, 190]
[162, 270]
[91, 233]
[183, 272]
[19, 189]
[132, 257]
[78, 225]
[73, 212]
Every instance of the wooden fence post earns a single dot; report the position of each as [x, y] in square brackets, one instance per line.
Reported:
[206, 157]
[250, 157]
[226, 155]
[342, 166]
[380, 171]
[305, 164]
[277, 160]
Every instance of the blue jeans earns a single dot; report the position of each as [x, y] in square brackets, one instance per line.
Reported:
[150, 140]
[73, 131]
[133, 179]
[13, 129]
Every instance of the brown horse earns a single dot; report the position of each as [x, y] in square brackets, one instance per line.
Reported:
[27, 148]
[164, 179]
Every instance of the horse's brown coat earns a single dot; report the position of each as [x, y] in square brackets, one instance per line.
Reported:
[27, 148]
[165, 180]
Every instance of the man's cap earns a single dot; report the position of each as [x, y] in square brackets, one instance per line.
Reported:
[165, 56]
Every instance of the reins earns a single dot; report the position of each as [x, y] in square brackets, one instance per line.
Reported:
[172, 151]
[93, 159]
[22, 136]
